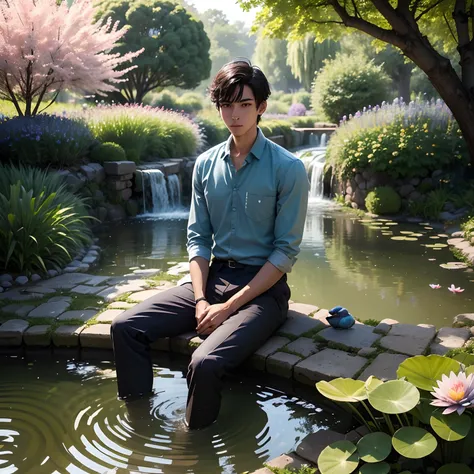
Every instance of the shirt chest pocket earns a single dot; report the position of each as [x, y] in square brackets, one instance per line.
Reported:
[260, 207]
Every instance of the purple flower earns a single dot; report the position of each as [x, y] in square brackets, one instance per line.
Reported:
[455, 393]
[37, 138]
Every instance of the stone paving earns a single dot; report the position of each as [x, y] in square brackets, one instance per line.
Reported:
[48, 314]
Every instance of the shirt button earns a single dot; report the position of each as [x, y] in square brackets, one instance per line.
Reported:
[234, 209]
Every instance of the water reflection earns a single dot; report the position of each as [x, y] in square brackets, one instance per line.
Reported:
[344, 260]
[63, 417]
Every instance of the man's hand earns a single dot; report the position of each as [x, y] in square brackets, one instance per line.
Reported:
[200, 308]
[213, 316]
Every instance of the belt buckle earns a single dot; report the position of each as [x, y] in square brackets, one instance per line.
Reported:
[231, 264]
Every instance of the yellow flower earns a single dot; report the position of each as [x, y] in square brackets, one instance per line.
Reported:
[390, 161]
[395, 153]
[370, 156]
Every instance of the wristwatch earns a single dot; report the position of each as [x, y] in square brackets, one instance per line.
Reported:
[203, 298]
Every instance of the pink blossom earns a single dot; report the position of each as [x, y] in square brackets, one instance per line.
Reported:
[454, 289]
[435, 286]
[47, 46]
[455, 393]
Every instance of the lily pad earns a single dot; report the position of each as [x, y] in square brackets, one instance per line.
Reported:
[406, 232]
[465, 358]
[338, 458]
[423, 223]
[453, 266]
[374, 227]
[391, 223]
[372, 382]
[423, 411]
[401, 237]
[445, 236]
[365, 220]
[395, 396]
[413, 442]
[434, 237]
[374, 447]
[469, 370]
[450, 427]
[378, 468]
[458, 468]
[343, 390]
[425, 371]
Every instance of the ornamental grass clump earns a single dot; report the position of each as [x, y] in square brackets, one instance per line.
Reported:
[42, 224]
[401, 140]
[44, 141]
[144, 132]
[407, 432]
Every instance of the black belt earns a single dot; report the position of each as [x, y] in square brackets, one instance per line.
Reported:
[231, 263]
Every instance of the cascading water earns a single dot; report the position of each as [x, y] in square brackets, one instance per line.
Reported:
[316, 171]
[165, 194]
[174, 191]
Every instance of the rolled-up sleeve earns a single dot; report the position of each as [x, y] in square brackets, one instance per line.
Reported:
[292, 205]
[199, 242]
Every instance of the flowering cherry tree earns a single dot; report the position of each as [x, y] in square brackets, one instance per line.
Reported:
[46, 47]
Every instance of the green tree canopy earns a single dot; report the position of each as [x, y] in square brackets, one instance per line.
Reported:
[228, 40]
[412, 26]
[176, 46]
[270, 55]
[306, 57]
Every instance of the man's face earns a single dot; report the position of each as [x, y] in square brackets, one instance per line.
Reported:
[241, 116]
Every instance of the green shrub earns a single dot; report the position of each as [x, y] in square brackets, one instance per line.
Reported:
[145, 132]
[166, 100]
[286, 99]
[213, 131]
[346, 84]
[107, 151]
[302, 98]
[271, 128]
[277, 107]
[190, 102]
[403, 141]
[44, 140]
[383, 200]
[42, 224]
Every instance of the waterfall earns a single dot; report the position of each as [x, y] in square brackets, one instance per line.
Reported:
[324, 138]
[316, 169]
[165, 194]
[174, 191]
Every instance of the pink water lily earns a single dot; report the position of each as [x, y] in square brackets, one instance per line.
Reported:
[454, 289]
[455, 393]
[435, 286]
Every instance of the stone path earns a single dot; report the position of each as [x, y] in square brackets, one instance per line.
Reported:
[305, 348]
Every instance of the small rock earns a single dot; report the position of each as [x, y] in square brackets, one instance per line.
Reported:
[6, 277]
[52, 273]
[21, 280]
[1, 289]
[35, 277]
[75, 263]
[464, 319]
[458, 234]
[405, 190]
[6, 284]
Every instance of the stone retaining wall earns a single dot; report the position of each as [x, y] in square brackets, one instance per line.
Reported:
[354, 190]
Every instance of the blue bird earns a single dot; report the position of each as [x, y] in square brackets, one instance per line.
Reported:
[340, 318]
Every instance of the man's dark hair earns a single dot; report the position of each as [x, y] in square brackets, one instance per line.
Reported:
[228, 85]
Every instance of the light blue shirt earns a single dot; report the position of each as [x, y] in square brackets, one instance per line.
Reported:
[251, 215]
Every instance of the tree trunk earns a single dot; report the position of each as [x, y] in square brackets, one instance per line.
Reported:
[403, 81]
[461, 105]
[448, 84]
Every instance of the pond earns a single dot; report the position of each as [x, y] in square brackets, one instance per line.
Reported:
[376, 268]
[61, 416]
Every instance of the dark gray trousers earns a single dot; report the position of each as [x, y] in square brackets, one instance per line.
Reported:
[172, 312]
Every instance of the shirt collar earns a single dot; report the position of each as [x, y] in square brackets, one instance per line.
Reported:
[257, 148]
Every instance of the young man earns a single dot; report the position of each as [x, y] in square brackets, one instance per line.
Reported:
[248, 209]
